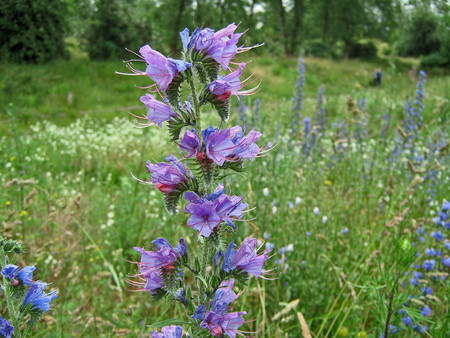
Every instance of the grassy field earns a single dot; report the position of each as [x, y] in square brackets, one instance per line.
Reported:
[69, 147]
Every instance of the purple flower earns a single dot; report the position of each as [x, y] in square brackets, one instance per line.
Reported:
[153, 262]
[219, 146]
[199, 313]
[204, 218]
[344, 231]
[245, 258]
[26, 275]
[160, 69]
[190, 143]
[220, 45]
[38, 298]
[217, 320]
[167, 176]
[12, 272]
[429, 264]
[158, 112]
[6, 329]
[446, 261]
[172, 331]
[228, 85]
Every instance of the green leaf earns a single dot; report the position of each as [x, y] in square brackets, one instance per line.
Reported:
[169, 322]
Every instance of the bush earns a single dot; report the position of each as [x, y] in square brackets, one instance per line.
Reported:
[435, 60]
[32, 31]
[320, 49]
[365, 50]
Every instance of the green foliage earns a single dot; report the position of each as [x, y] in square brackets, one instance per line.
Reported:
[320, 49]
[364, 50]
[421, 34]
[32, 31]
[109, 30]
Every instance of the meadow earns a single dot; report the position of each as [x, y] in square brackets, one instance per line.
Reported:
[340, 200]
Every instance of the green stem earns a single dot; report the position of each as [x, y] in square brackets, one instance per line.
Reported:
[11, 310]
[196, 107]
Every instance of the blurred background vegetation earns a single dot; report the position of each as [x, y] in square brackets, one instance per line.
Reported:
[39, 31]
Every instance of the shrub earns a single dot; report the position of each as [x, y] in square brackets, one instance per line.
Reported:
[32, 31]
[320, 49]
[364, 50]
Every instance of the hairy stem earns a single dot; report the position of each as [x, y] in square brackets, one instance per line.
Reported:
[196, 107]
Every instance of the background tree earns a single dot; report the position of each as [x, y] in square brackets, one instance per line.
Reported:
[32, 31]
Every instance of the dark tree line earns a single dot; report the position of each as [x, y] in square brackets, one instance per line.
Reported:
[34, 31]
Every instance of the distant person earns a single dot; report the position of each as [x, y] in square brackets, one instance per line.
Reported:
[377, 77]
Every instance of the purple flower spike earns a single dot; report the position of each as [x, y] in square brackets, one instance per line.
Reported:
[204, 218]
[172, 331]
[220, 45]
[161, 69]
[6, 329]
[245, 258]
[38, 298]
[167, 176]
[190, 143]
[158, 112]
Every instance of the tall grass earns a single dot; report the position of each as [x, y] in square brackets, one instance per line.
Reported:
[67, 192]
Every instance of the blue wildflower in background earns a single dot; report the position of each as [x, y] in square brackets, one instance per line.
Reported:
[6, 329]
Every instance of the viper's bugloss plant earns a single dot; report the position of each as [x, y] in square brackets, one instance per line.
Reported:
[182, 88]
[25, 298]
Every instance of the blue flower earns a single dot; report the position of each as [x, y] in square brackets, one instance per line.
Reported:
[407, 320]
[426, 311]
[429, 264]
[427, 290]
[26, 275]
[199, 313]
[6, 329]
[10, 271]
[446, 261]
[437, 235]
[344, 231]
[38, 298]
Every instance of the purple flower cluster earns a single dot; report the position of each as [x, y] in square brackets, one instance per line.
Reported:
[220, 46]
[38, 299]
[160, 69]
[158, 112]
[6, 329]
[217, 320]
[154, 263]
[25, 274]
[209, 211]
[245, 258]
[166, 177]
[172, 331]
[220, 146]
